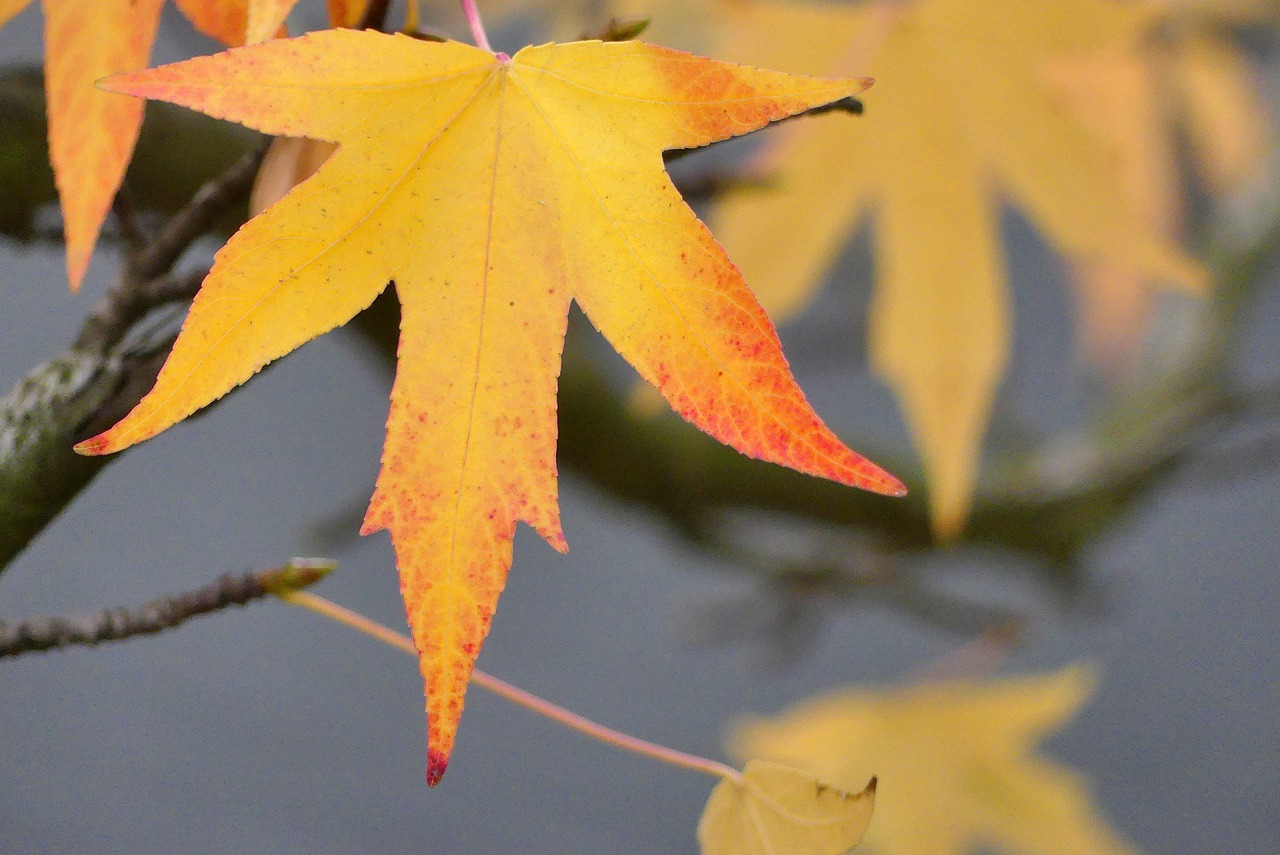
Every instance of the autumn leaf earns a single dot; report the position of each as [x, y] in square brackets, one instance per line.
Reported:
[10, 8]
[346, 13]
[776, 810]
[224, 21]
[91, 132]
[1185, 91]
[266, 19]
[1225, 115]
[955, 761]
[288, 162]
[962, 120]
[492, 191]
[237, 22]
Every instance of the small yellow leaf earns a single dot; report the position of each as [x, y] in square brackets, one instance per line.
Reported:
[266, 19]
[289, 161]
[956, 763]
[778, 810]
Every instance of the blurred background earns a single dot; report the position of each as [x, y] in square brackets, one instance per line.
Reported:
[1119, 506]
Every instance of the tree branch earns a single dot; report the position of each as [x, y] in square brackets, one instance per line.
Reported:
[56, 405]
[46, 633]
[103, 375]
[198, 216]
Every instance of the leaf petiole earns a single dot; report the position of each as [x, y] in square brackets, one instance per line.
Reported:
[516, 695]
[477, 29]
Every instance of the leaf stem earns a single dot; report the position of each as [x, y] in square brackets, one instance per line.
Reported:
[477, 28]
[516, 695]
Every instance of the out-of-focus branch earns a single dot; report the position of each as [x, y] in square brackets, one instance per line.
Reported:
[45, 633]
[105, 373]
[56, 405]
[197, 217]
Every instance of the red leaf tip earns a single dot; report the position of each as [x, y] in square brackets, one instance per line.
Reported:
[92, 447]
[877, 480]
[436, 764]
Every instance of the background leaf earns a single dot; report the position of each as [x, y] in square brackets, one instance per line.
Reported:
[955, 763]
[777, 810]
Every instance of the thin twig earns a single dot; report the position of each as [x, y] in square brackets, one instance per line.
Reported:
[103, 375]
[516, 695]
[196, 218]
[125, 306]
[174, 288]
[126, 211]
[128, 299]
[46, 633]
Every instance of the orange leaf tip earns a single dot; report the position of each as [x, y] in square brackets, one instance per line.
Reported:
[870, 477]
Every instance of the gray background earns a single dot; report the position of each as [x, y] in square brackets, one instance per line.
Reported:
[269, 730]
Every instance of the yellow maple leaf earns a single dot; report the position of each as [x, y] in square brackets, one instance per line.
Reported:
[1115, 92]
[963, 120]
[493, 191]
[777, 810]
[954, 761]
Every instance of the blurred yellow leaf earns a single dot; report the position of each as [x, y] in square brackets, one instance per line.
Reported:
[1225, 115]
[1186, 78]
[288, 162]
[237, 22]
[346, 13]
[955, 762]
[777, 810]
[1115, 92]
[10, 8]
[962, 118]
[266, 19]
